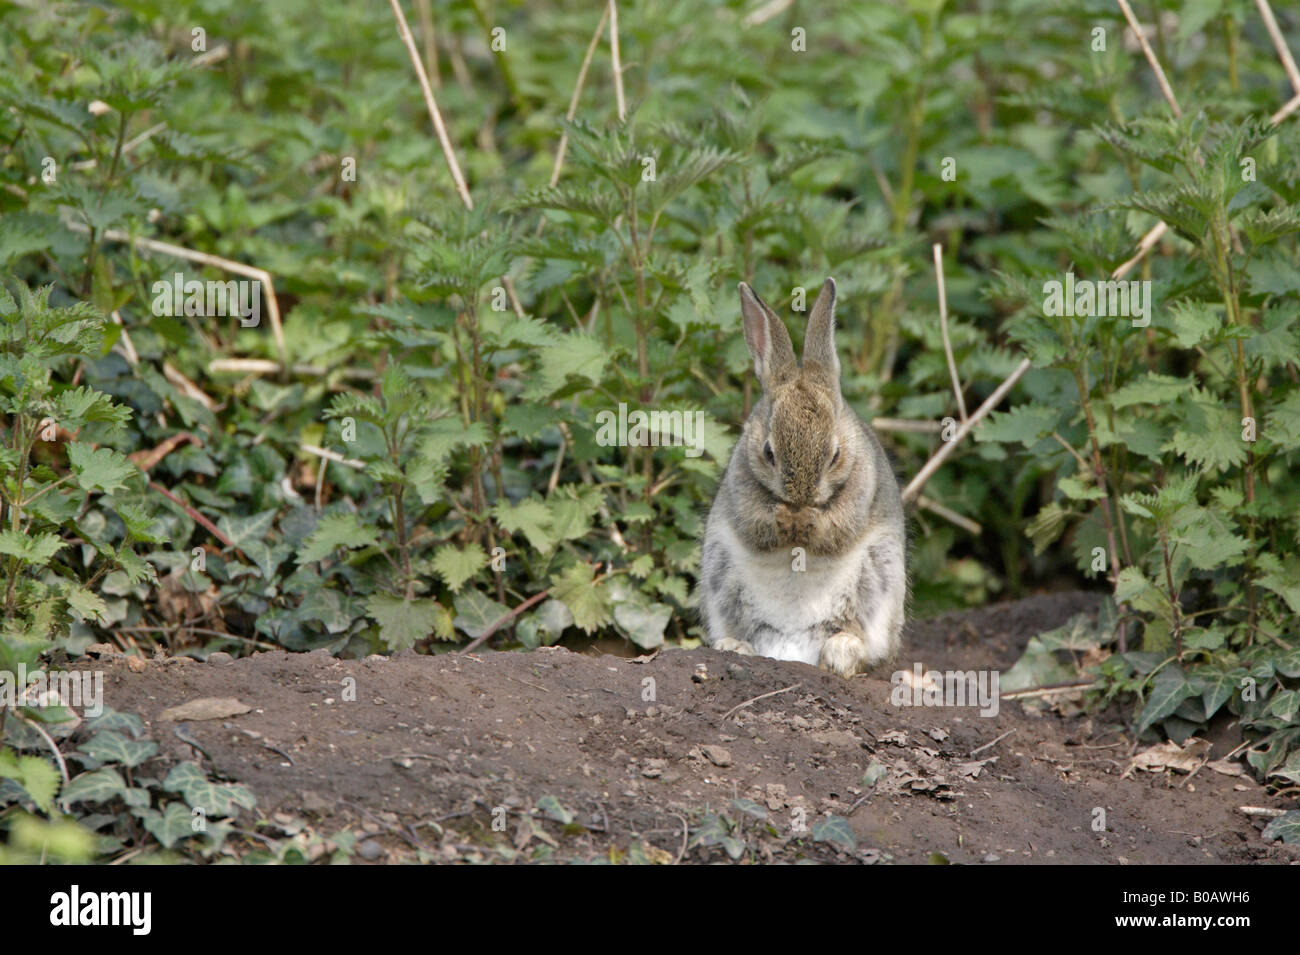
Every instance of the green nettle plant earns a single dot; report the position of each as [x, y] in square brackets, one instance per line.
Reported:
[1174, 443]
[60, 533]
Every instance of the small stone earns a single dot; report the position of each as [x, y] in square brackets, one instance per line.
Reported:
[220, 657]
[206, 708]
[717, 755]
[701, 674]
[312, 802]
[991, 858]
[652, 711]
[370, 850]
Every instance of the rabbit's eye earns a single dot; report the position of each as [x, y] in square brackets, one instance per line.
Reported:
[835, 457]
[768, 452]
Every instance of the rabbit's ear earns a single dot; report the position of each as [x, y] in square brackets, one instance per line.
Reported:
[819, 342]
[765, 335]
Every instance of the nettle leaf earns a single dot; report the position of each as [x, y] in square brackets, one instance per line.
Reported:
[1169, 688]
[402, 623]
[577, 356]
[82, 405]
[1210, 434]
[99, 469]
[110, 746]
[85, 604]
[37, 549]
[1047, 526]
[1282, 423]
[527, 331]
[572, 510]
[1151, 389]
[456, 565]
[1193, 322]
[531, 517]
[585, 596]
[38, 777]
[443, 436]
[1025, 424]
[334, 531]
[217, 800]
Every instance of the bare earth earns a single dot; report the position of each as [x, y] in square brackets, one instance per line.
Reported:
[434, 747]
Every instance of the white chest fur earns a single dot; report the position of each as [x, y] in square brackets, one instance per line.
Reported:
[795, 594]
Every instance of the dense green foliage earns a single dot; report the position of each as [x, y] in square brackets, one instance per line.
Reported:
[463, 404]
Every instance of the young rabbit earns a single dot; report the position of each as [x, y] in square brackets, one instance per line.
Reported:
[803, 550]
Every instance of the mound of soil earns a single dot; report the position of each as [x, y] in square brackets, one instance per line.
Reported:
[419, 755]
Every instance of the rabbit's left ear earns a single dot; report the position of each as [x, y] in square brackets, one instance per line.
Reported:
[819, 342]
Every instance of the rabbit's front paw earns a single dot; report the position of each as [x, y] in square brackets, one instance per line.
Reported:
[735, 646]
[843, 653]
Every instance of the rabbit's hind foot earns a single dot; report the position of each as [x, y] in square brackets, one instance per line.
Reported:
[735, 646]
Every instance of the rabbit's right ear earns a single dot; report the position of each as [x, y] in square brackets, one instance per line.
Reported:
[766, 336]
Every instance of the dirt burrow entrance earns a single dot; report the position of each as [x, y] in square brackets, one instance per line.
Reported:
[638, 751]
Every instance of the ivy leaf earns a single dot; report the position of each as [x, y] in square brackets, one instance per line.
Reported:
[110, 746]
[172, 825]
[1216, 686]
[242, 531]
[217, 800]
[1285, 827]
[835, 830]
[643, 624]
[99, 785]
[1169, 688]
[476, 612]
[553, 810]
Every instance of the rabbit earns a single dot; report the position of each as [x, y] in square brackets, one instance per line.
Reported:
[804, 547]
